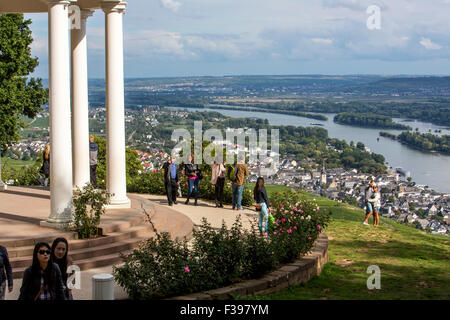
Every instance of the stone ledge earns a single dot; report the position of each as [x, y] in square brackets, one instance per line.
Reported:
[287, 275]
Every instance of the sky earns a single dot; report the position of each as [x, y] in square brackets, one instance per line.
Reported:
[170, 38]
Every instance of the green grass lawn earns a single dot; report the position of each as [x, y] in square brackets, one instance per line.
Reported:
[413, 264]
[11, 163]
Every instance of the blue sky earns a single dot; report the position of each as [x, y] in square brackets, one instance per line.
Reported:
[232, 37]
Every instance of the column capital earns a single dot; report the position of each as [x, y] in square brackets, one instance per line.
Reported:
[114, 6]
[86, 13]
[55, 2]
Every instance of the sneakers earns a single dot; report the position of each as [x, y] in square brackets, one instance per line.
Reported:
[365, 223]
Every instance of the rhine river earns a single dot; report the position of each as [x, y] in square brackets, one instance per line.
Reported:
[430, 169]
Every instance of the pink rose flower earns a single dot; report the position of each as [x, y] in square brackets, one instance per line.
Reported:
[283, 220]
[318, 227]
[187, 269]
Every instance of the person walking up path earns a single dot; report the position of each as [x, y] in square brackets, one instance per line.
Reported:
[218, 180]
[262, 204]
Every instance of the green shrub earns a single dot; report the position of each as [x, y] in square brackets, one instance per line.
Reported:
[89, 205]
[162, 267]
[297, 224]
[23, 176]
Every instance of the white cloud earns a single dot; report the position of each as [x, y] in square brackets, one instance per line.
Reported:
[322, 40]
[429, 45]
[171, 5]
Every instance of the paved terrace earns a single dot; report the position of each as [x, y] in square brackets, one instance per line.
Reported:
[22, 209]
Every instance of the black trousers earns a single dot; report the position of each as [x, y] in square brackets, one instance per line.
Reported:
[171, 190]
[220, 183]
[94, 175]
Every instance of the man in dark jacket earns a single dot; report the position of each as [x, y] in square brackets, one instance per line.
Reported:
[171, 181]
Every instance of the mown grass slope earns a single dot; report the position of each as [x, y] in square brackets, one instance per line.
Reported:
[413, 264]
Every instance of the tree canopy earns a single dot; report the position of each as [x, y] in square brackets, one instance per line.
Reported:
[20, 95]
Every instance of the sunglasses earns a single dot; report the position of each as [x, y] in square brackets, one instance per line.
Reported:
[44, 251]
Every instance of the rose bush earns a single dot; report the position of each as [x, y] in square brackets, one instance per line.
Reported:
[162, 267]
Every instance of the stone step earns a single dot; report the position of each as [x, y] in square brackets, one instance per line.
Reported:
[86, 264]
[133, 232]
[90, 252]
[106, 228]
[31, 241]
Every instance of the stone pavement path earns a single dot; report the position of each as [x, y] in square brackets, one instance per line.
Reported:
[207, 209]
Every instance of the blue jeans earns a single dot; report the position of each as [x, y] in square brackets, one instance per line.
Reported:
[263, 214]
[368, 207]
[193, 188]
[236, 197]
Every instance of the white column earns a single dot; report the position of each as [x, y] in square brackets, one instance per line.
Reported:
[80, 107]
[115, 120]
[59, 101]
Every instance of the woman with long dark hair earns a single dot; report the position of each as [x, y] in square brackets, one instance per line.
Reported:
[262, 203]
[45, 169]
[60, 250]
[42, 281]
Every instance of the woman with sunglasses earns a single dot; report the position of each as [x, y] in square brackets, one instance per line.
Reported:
[42, 281]
[60, 250]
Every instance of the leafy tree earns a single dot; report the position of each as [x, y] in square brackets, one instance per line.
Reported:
[133, 164]
[19, 94]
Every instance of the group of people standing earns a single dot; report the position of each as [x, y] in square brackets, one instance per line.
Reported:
[237, 174]
[46, 278]
[372, 201]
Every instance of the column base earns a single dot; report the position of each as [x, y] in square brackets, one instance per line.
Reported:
[119, 204]
[55, 225]
[3, 186]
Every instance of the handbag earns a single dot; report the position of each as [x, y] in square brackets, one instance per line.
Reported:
[39, 293]
[200, 174]
[258, 207]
